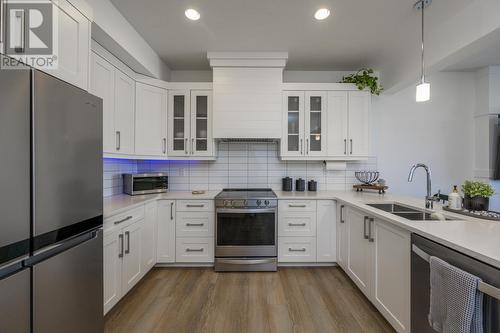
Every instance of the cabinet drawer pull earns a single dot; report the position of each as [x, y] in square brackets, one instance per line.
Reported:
[120, 240]
[365, 234]
[370, 236]
[195, 206]
[296, 250]
[297, 206]
[194, 250]
[123, 220]
[195, 224]
[127, 236]
[297, 224]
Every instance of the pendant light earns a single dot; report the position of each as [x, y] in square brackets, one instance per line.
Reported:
[423, 93]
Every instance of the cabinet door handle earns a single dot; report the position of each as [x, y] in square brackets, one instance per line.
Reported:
[342, 214]
[118, 140]
[307, 146]
[172, 211]
[127, 236]
[351, 146]
[192, 146]
[296, 250]
[195, 224]
[123, 220]
[365, 234]
[301, 147]
[370, 222]
[164, 144]
[345, 146]
[297, 224]
[186, 145]
[195, 206]
[297, 206]
[194, 250]
[120, 240]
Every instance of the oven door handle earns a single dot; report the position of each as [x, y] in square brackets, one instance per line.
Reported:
[246, 261]
[242, 211]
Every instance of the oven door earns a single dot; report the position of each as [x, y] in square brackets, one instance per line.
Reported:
[245, 233]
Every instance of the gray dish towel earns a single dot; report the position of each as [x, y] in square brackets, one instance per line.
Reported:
[456, 305]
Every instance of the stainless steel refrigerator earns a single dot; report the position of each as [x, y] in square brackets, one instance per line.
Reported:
[51, 277]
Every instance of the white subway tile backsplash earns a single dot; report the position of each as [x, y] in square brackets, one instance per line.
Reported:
[238, 165]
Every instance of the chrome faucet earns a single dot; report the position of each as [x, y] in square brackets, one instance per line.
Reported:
[429, 199]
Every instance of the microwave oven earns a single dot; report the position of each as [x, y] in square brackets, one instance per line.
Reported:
[145, 183]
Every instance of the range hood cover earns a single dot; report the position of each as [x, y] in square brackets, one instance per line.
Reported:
[247, 95]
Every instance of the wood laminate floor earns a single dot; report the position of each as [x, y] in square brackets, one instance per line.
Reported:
[201, 300]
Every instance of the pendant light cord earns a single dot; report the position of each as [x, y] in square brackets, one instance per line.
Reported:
[422, 79]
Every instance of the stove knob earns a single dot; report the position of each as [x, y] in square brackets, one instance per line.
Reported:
[227, 203]
[266, 202]
[258, 202]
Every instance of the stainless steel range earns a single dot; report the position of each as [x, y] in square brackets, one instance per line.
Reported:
[246, 230]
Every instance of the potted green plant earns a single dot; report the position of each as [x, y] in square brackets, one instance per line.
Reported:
[364, 78]
[477, 195]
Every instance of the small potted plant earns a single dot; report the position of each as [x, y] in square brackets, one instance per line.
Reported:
[477, 195]
[364, 78]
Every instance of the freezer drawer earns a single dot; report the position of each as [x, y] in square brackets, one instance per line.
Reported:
[68, 290]
[15, 302]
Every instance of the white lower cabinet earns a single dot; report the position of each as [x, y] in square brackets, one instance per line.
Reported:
[112, 269]
[149, 231]
[165, 249]
[307, 231]
[297, 249]
[194, 249]
[194, 231]
[131, 269]
[326, 239]
[341, 237]
[378, 261]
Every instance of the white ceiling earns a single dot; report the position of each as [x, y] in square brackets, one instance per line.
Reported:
[357, 33]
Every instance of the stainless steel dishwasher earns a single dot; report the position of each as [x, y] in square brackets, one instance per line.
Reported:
[422, 248]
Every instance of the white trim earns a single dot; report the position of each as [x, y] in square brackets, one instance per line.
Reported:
[320, 86]
[247, 59]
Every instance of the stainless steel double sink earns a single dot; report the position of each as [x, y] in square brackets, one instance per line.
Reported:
[410, 213]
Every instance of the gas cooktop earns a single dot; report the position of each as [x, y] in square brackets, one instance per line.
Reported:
[246, 198]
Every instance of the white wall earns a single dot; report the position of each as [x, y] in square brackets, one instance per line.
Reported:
[118, 36]
[438, 133]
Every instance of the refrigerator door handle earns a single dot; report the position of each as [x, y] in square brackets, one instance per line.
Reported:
[59, 248]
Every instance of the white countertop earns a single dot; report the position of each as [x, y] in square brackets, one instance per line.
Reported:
[477, 238]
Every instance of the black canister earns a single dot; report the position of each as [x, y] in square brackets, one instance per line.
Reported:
[300, 185]
[312, 186]
[287, 184]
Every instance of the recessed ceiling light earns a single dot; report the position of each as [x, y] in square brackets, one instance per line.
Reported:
[322, 14]
[192, 14]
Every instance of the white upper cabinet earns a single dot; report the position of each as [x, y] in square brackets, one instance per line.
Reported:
[304, 116]
[124, 113]
[315, 123]
[190, 123]
[359, 123]
[292, 142]
[201, 123]
[102, 84]
[150, 120]
[178, 122]
[337, 123]
[118, 93]
[349, 123]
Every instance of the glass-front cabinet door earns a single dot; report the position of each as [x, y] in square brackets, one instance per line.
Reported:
[201, 120]
[179, 123]
[315, 123]
[293, 113]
